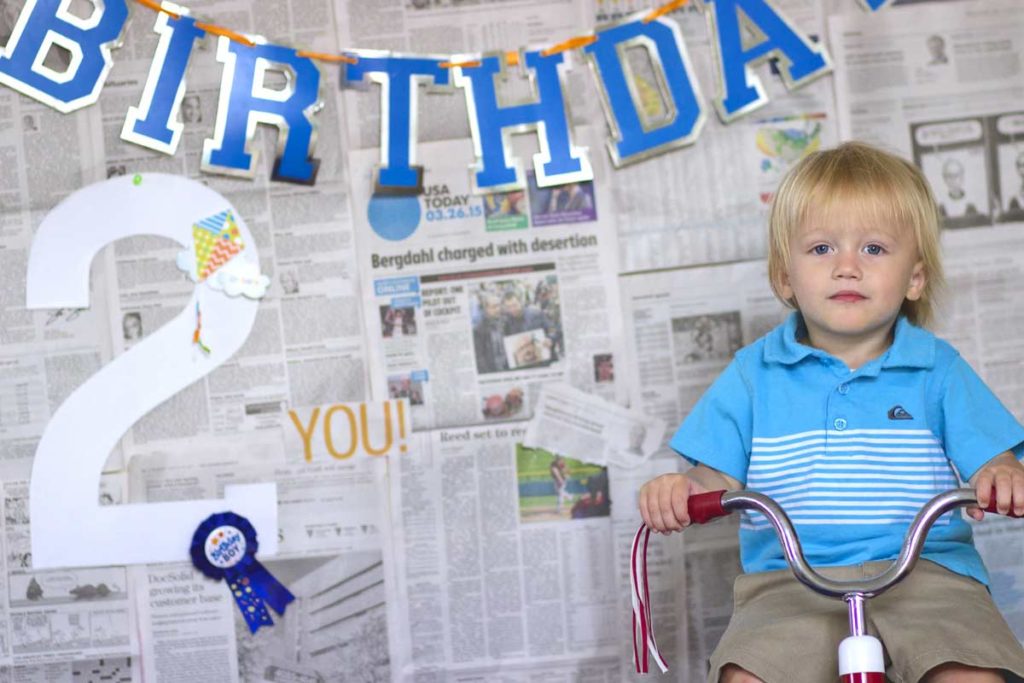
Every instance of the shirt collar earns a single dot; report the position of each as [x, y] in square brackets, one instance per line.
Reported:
[912, 347]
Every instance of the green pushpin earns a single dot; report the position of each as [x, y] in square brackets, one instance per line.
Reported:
[137, 180]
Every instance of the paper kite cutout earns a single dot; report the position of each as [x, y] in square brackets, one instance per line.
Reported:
[217, 239]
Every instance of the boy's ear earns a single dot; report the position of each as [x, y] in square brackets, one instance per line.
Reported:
[784, 287]
[918, 279]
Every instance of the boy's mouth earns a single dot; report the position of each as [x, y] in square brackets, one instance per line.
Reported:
[848, 296]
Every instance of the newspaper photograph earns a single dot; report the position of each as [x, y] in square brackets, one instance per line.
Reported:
[472, 301]
[336, 625]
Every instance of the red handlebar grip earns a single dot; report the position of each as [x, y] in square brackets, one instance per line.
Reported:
[704, 507]
[992, 506]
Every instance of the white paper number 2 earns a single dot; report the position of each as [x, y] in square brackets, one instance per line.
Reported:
[69, 527]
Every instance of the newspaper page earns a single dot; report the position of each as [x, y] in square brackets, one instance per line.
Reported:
[330, 479]
[306, 346]
[941, 85]
[847, 7]
[186, 620]
[482, 298]
[690, 576]
[686, 326]
[489, 574]
[61, 623]
[980, 318]
[57, 625]
[582, 426]
[708, 202]
[980, 313]
[44, 355]
[497, 572]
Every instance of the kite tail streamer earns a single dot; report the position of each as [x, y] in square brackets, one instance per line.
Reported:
[197, 337]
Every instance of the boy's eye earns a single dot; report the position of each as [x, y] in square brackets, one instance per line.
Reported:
[820, 249]
[874, 249]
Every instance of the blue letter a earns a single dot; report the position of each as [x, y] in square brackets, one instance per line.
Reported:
[746, 33]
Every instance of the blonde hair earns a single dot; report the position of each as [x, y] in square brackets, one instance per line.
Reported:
[858, 178]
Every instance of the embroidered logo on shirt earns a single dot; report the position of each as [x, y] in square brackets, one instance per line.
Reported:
[898, 413]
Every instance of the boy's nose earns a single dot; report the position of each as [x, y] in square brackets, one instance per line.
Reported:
[847, 267]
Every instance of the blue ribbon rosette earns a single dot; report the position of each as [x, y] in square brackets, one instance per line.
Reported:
[224, 547]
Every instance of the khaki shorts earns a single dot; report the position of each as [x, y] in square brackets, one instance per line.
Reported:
[783, 632]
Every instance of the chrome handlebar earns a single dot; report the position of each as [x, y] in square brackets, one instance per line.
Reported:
[912, 544]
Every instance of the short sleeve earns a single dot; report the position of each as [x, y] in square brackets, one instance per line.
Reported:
[977, 426]
[717, 431]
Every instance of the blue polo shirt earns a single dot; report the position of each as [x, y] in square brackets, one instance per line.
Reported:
[850, 455]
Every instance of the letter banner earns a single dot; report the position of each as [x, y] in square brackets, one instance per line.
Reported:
[743, 34]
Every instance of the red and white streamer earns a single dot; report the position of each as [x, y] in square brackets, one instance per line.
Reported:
[643, 625]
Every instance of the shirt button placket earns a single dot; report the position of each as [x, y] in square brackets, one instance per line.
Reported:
[839, 423]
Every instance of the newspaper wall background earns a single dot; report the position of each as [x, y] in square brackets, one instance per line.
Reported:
[463, 560]
[489, 296]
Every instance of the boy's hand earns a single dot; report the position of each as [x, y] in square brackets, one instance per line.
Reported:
[663, 501]
[1006, 474]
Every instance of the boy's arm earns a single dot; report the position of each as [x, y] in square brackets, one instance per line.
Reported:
[1006, 474]
[713, 480]
[663, 500]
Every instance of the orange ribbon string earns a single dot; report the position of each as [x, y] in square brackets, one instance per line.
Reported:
[511, 56]
[466, 65]
[156, 7]
[226, 32]
[571, 44]
[324, 57]
[663, 10]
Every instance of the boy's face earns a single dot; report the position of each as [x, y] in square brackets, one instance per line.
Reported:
[850, 278]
